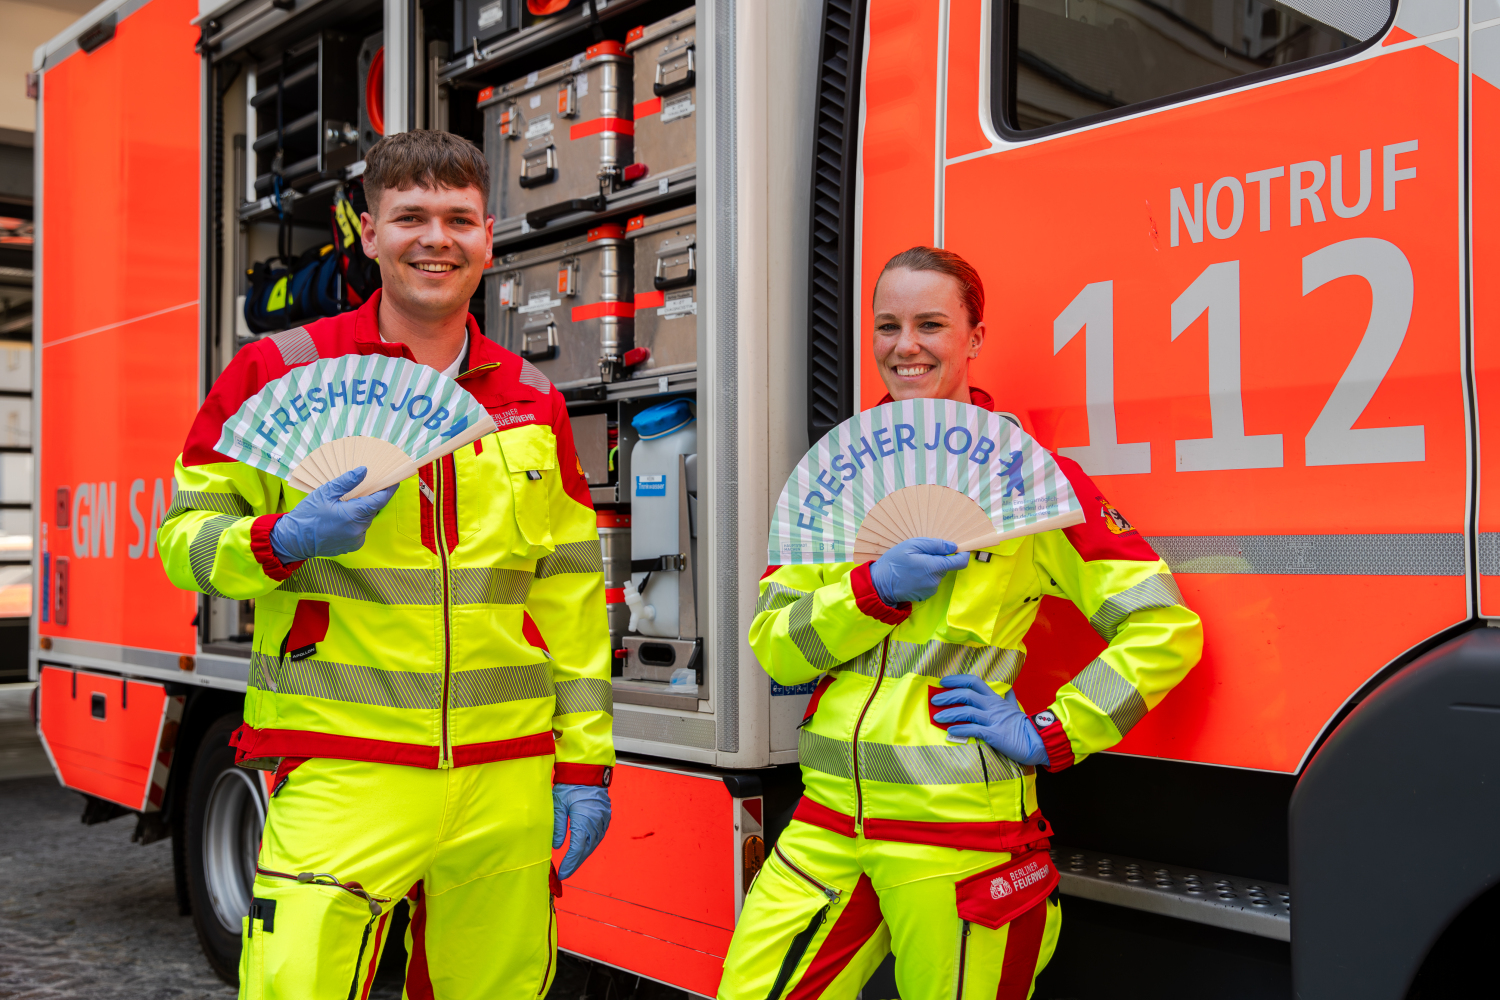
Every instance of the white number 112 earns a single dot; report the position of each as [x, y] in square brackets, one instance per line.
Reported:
[1332, 439]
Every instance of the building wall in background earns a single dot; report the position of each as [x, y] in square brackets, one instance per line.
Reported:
[26, 26]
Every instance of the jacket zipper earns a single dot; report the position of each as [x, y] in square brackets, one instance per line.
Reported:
[859, 797]
[963, 955]
[829, 891]
[440, 533]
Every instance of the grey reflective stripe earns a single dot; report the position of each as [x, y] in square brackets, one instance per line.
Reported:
[572, 557]
[361, 685]
[1330, 555]
[204, 550]
[489, 586]
[866, 663]
[221, 503]
[1115, 696]
[777, 597]
[470, 585]
[584, 694]
[822, 753]
[800, 630]
[296, 346]
[380, 586]
[1489, 541]
[999, 767]
[532, 375]
[1159, 591]
[942, 764]
[943, 659]
[494, 685]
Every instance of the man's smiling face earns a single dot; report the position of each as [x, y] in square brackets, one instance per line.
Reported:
[433, 245]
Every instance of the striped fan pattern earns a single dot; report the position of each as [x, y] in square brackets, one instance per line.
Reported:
[918, 468]
[318, 421]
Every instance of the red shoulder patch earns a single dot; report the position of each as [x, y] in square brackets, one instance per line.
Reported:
[1105, 533]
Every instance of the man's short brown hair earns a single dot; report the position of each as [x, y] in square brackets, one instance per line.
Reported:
[425, 159]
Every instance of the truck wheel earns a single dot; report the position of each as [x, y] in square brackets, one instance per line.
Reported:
[226, 810]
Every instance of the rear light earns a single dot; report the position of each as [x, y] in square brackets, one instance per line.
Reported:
[752, 856]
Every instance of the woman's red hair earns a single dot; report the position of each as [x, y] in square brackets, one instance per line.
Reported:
[970, 288]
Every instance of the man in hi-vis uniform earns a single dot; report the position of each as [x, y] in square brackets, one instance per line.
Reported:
[426, 743]
[906, 841]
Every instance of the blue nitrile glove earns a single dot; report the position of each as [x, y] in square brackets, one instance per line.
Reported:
[914, 569]
[588, 808]
[996, 720]
[324, 525]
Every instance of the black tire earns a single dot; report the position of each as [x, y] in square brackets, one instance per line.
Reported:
[226, 809]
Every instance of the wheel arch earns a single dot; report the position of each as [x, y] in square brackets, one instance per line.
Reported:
[1392, 824]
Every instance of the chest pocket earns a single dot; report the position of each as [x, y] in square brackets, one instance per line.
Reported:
[530, 456]
[980, 589]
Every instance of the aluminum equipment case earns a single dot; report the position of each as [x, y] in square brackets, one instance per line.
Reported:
[666, 91]
[566, 307]
[666, 296]
[560, 138]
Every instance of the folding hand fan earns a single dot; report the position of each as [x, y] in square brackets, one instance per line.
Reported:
[317, 422]
[930, 468]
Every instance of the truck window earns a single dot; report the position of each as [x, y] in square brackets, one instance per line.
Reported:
[1080, 60]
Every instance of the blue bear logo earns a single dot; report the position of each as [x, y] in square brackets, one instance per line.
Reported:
[1015, 485]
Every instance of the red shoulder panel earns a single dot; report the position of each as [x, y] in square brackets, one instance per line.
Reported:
[1104, 534]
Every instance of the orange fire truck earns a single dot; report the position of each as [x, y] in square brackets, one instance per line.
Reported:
[1234, 253]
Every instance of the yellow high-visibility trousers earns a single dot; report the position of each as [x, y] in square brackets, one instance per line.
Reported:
[825, 910]
[345, 841]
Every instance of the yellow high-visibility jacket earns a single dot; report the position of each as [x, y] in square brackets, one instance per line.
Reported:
[873, 759]
[414, 648]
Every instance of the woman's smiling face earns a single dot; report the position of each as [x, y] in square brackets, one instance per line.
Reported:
[923, 338]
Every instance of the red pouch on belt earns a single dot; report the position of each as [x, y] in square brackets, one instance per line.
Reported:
[998, 895]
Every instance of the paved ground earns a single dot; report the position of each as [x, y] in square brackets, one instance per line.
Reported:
[84, 913]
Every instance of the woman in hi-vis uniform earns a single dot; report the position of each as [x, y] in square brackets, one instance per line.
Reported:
[906, 841]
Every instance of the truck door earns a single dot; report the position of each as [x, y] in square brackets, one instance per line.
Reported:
[1222, 245]
[118, 281]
